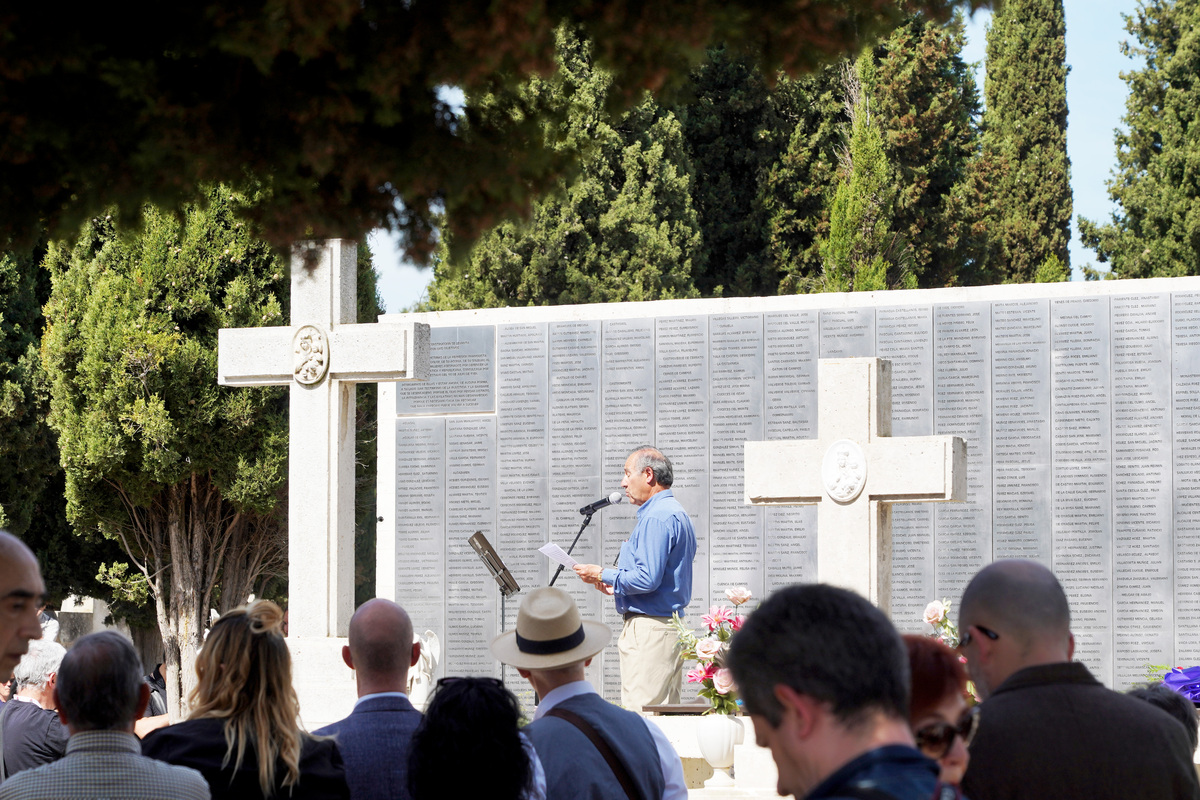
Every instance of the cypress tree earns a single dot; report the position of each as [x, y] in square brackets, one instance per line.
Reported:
[863, 252]
[724, 126]
[926, 106]
[1025, 136]
[1156, 183]
[798, 186]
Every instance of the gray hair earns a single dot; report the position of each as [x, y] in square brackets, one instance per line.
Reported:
[100, 683]
[653, 458]
[39, 663]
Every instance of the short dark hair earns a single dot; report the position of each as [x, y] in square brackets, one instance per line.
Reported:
[100, 682]
[825, 642]
[469, 721]
[1172, 702]
[659, 464]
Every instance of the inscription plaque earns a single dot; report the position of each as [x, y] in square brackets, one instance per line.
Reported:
[847, 333]
[905, 335]
[1141, 436]
[1185, 486]
[462, 374]
[1083, 473]
[962, 407]
[681, 427]
[419, 561]
[1021, 430]
[472, 599]
[735, 392]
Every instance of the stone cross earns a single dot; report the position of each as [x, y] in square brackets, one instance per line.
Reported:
[853, 471]
[321, 356]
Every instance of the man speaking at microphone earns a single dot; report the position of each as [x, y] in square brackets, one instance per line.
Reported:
[652, 579]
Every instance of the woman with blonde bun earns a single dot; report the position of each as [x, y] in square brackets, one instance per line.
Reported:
[243, 733]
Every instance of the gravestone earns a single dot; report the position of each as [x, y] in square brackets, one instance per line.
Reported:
[322, 355]
[854, 472]
[1079, 404]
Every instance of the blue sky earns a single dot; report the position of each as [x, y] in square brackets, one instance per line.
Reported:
[1095, 103]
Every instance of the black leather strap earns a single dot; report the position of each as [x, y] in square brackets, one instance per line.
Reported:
[614, 763]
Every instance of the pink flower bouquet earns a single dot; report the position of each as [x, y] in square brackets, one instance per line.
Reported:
[708, 651]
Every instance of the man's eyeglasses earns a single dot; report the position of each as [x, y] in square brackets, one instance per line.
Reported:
[936, 738]
[966, 637]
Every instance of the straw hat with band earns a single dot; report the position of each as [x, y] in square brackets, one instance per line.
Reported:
[550, 633]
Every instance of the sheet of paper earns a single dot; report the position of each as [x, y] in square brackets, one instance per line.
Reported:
[557, 554]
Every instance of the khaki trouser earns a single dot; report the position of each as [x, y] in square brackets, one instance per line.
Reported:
[651, 663]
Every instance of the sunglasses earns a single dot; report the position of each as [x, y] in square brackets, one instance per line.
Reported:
[966, 637]
[936, 738]
[496, 682]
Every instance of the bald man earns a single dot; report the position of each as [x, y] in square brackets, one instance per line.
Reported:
[374, 739]
[1047, 728]
[22, 593]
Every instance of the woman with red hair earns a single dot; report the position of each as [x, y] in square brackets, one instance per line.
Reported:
[941, 721]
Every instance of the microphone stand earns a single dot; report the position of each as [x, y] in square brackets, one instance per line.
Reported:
[587, 518]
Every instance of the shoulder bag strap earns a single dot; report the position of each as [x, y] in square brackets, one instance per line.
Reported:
[614, 763]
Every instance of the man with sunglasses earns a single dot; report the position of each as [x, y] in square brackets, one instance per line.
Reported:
[1047, 728]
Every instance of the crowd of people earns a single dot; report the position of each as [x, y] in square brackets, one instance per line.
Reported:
[848, 707]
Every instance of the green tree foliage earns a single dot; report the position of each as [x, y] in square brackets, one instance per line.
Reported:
[26, 445]
[726, 125]
[924, 100]
[366, 445]
[797, 187]
[32, 505]
[863, 253]
[1052, 271]
[1156, 183]
[1025, 139]
[624, 229]
[335, 105]
[186, 474]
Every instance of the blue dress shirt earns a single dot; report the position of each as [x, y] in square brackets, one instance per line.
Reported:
[653, 575]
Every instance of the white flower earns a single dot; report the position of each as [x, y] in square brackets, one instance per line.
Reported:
[935, 612]
[723, 681]
[738, 595]
[708, 649]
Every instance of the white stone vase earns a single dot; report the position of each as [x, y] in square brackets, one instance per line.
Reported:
[717, 734]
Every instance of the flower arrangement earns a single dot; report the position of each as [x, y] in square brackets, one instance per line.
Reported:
[708, 651]
[937, 614]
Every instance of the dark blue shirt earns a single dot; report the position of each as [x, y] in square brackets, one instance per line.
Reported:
[902, 772]
[653, 575]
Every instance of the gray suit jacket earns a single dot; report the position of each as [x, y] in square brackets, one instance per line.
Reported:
[374, 741]
[106, 764]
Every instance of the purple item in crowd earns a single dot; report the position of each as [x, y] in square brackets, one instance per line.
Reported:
[1184, 681]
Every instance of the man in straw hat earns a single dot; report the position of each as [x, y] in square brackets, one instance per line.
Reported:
[588, 746]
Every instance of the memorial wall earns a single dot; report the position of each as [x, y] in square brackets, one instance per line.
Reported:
[1079, 403]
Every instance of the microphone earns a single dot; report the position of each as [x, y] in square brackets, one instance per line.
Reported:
[611, 500]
